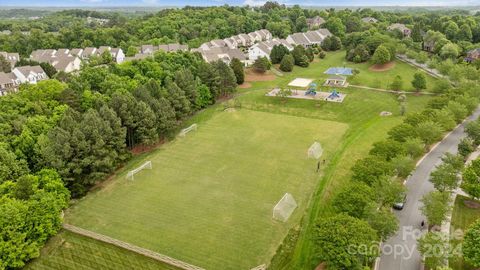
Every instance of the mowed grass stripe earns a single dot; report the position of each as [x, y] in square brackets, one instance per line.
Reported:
[209, 197]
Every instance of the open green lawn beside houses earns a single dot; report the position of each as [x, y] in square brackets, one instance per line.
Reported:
[463, 216]
[69, 251]
[208, 199]
[366, 77]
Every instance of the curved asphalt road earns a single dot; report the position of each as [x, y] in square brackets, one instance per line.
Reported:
[399, 252]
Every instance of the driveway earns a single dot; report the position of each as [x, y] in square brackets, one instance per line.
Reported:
[399, 252]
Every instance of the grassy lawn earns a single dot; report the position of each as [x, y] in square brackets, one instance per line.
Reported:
[208, 199]
[462, 217]
[380, 79]
[70, 251]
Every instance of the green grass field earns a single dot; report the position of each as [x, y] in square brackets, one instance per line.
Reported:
[462, 218]
[208, 199]
[68, 251]
[366, 77]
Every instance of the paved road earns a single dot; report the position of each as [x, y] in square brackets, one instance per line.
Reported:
[399, 252]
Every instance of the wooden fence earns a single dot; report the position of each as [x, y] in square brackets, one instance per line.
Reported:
[142, 251]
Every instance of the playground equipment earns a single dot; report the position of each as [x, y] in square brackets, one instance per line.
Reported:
[312, 89]
[334, 94]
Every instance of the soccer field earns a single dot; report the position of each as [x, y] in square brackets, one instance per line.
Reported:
[208, 199]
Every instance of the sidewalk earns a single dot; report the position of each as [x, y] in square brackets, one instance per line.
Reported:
[412, 62]
[390, 91]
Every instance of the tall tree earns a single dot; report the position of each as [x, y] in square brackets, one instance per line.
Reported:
[419, 81]
[277, 53]
[227, 80]
[381, 55]
[287, 63]
[471, 180]
[435, 207]
[338, 240]
[186, 81]
[471, 244]
[238, 69]
[177, 98]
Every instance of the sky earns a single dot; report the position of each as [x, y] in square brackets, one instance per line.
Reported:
[63, 3]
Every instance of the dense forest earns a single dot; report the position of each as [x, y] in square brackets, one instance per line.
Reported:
[61, 136]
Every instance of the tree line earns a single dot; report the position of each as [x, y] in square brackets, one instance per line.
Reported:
[59, 138]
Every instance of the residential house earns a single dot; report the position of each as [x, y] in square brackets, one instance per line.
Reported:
[116, 53]
[309, 39]
[369, 20]
[222, 53]
[29, 74]
[400, 27]
[77, 52]
[315, 22]
[6, 32]
[473, 55]
[61, 59]
[173, 47]
[231, 43]
[12, 58]
[89, 52]
[247, 41]
[43, 55]
[8, 83]
[264, 48]
[66, 63]
[138, 56]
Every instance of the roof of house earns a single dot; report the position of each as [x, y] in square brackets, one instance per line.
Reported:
[26, 70]
[76, 52]
[39, 54]
[89, 51]
[62, 61]
[369, 19]
[12, 57]
[62, 51]
[313, 36]
[145, 48]
[299, 38]
[316, 20]
[103, 49]
[324, 32]
[399, 26]
[477, 50]
[115, 51]
[7, 78]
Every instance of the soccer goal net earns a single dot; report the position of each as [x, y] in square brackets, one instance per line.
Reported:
[184, 131]
[284, 208]
[315, 151]
[146, 165]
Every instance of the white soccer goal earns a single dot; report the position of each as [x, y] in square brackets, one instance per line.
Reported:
[284, 208]
[315, 151]
[146, 165]
[184, 131]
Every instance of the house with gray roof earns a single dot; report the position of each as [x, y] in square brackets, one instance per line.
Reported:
[315, 22]
[400, 27]
[309, 38]
[12, 58]
[29, 74]
[369, 20]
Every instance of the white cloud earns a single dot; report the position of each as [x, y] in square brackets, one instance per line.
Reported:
[254, 3]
